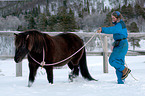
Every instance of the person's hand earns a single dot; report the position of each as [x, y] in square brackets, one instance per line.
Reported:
[100, 30]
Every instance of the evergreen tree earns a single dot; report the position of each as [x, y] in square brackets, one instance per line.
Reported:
[62, 18]
[119, 7]
[80, 13]
[47, 9]
[72, 23]
[139, 11]
[51, 22]
[88, 9]
[42, 22]
[134, 41]
[105, 10]
[35, 12]
[133, 27]
[130, 11]
[127, 11]
[66, 20]
[123, 10]
[84, 12]
[125, 2]
[47, 12]
[31, 22]
[65, 3]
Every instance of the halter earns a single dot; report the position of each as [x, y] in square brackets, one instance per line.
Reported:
[43, 62]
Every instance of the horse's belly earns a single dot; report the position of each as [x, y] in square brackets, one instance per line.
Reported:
[61, 64]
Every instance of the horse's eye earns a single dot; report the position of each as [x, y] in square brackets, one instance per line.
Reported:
[23, 46]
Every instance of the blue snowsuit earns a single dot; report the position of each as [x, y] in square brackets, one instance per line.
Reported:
[117, 57]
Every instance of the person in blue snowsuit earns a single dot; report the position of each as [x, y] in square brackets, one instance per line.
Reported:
[120, 45]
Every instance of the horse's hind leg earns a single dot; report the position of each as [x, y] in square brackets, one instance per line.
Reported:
[33, 69]
[75, 71]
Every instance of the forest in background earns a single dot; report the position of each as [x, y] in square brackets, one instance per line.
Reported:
[68, 15]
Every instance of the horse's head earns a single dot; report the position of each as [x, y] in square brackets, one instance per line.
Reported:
[21, 45]
[26, 42]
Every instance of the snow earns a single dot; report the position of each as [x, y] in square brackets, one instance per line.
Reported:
[10, 85]
[107, 4]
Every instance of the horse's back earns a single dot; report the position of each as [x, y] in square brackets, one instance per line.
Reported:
[69, 37]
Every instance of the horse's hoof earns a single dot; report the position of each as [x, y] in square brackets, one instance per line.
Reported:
[71, 78]
[30, 84]
[51, 82]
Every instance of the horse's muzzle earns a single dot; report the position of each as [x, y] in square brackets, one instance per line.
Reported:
[19, 55]
[16, 59]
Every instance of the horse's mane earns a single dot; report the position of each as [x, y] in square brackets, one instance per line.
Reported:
[36, 40]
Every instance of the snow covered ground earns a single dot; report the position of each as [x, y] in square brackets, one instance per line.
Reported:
[10, 85]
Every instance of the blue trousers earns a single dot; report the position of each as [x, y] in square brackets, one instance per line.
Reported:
[117, 59]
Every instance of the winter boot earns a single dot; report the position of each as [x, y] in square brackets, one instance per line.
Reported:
[119, 76]
[125, 72]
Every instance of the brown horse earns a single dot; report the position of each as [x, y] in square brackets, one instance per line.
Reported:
[55, 48]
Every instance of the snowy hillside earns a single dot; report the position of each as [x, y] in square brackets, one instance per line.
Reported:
[53, 5]
[106, 86]
[85, 15]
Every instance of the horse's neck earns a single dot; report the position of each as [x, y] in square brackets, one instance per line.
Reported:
[49, 45]
[48, 41]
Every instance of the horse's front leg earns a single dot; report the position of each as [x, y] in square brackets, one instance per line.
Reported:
[33, 69]
[49, 71]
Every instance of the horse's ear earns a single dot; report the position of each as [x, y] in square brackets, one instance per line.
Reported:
[27, 37]
[30, 42]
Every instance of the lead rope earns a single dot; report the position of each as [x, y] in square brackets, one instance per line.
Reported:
[43, 62]
[131, 73]
[125, 62]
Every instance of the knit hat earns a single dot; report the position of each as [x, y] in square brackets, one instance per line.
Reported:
[117, 12]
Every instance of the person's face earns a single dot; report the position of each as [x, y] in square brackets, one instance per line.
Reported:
[114, 19]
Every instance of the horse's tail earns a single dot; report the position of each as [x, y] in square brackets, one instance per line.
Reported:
[83, 67]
